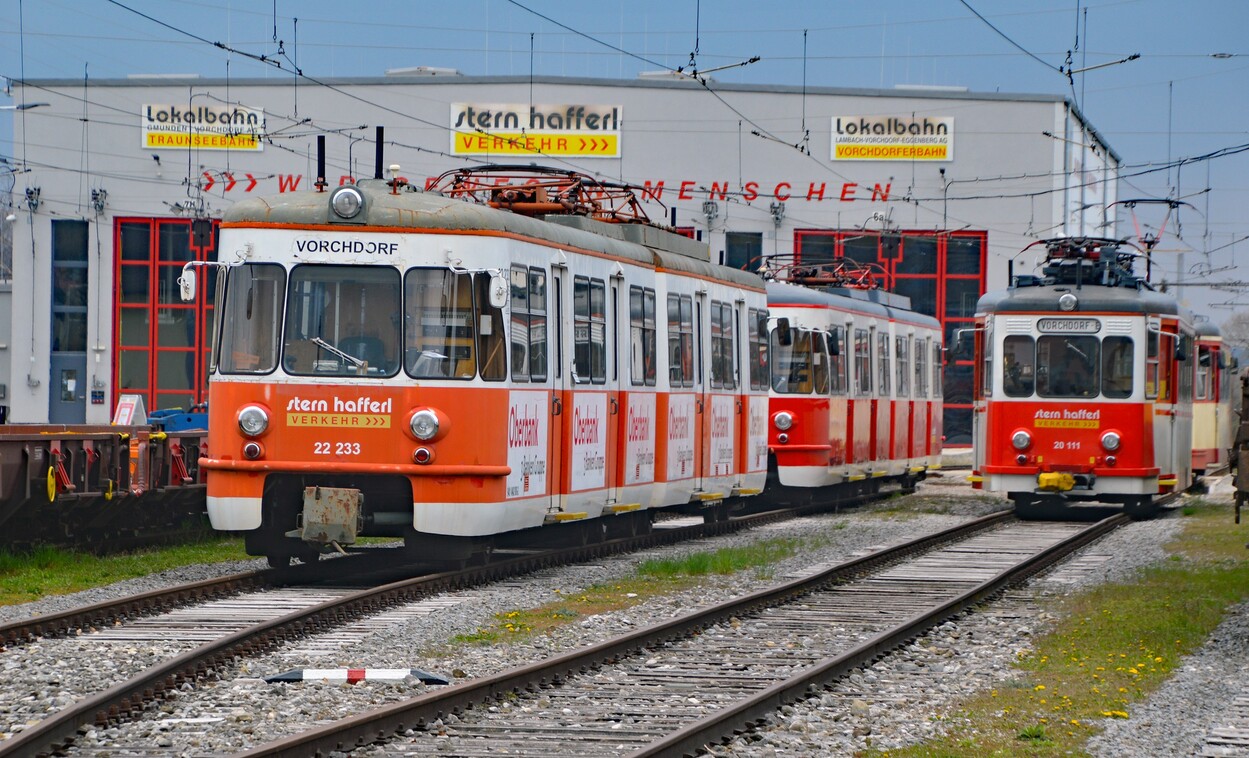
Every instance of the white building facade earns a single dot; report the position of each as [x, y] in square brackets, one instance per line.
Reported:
[117, 183]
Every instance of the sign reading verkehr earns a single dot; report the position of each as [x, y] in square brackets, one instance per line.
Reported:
[892, 138]
[584, 131]
[202, 127]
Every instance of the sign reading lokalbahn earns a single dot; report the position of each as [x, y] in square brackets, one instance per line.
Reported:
[202, 127]
[892, 138]
[584, 131]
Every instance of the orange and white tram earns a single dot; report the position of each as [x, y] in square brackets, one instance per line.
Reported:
[856, 381]
[389, 361]
[1216, 401]
[1084, 384]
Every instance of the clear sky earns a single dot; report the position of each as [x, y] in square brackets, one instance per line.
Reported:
[1184, 98]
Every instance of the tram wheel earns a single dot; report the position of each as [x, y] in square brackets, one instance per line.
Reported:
[1140, 508]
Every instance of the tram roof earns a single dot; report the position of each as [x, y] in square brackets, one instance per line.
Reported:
[875, 302]
[1034, 299]
[431, 212]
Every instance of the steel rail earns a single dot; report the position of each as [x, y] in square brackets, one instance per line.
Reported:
[726, 722]
[130, 697]
[380, 724]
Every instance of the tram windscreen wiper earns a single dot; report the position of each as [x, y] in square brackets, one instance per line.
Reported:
[345, 356]
[1078, 351]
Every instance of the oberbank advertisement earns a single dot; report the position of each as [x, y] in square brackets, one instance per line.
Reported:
[202, 127]
[578, 130]
[892, 138]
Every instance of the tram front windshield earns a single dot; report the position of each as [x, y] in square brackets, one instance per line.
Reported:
[330, 320]
[1067, 366]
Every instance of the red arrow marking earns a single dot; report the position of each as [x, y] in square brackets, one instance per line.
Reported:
[231, 181]
[252, 184]
[210, 181]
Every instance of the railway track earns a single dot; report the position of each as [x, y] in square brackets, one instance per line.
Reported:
[669, 689]
[252, 626]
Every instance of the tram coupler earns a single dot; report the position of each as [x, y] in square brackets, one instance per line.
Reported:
[331, 515]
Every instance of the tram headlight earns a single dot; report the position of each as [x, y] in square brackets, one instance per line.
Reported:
[253, 421]
[424, 424]
[346, 201]
[1111, 441]
[783, 421]
[1021, 440]
[1067, 302]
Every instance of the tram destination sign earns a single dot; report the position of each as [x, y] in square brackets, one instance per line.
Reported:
[1069, 325]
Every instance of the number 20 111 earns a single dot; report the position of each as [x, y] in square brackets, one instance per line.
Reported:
[1061, 445]
[336, 448]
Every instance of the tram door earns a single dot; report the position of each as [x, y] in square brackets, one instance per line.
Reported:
[702, 399]
[560, 406]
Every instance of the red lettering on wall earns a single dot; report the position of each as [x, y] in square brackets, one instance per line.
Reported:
[847, 192]
[812, 192]
[777, 192]
[684, 194]
[750, 191]
[881, 194]
[289, 182]
[715, 187]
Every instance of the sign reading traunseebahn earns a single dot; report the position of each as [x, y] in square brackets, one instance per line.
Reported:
[202, 127]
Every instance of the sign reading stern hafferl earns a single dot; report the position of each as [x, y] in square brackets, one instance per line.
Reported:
[202, 127]
[583, 131]
[892, 138]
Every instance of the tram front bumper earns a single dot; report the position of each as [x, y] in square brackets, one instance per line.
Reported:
[1055, 481]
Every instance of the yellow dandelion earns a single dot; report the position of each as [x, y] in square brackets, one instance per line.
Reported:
[1039, 687]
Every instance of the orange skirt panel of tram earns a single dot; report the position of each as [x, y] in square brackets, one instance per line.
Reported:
[1067, 437]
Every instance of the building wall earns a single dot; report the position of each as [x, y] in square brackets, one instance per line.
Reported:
[1005, 178]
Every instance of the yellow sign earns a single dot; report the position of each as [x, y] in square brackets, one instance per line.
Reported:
[202, 127]
[1066, 423]
[542, 143]
[578, 129]
[892, 138]
[355, 420]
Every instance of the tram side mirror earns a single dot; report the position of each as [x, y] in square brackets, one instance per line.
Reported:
[499, 289]
[783, 335]
[186, 283]
[834, 343]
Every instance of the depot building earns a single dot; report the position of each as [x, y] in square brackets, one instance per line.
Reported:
[117, 183]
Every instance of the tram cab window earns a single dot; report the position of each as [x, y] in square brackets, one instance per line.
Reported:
[1068, 365]
[439, 330]
[1201, 389]
[342, 321]
[491, 336]
[1018, 365]
[758, 349]
[250, 318]
[1117, 358]
[796, 368]
[680, 340]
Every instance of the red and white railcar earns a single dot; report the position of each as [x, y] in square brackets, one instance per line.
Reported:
[1084, 384]
[1216, 401]
[856, 381]
[510, 352]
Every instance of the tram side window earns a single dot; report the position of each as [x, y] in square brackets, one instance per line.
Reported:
[1184, 369]
[862, 362]
[250, 319]
[903, 346]
[836, 340]
[491, 336]
[1068, 365]
[681, 340]
[642, 336]
[882, 362]
[791, 360]
[1151, 365]
[1201, 390]
[1018, 365]
[1117, 357]
[343, 321]
[438, 311]
[921, 368]
[589, 298]
[819, 355]
[528, 304]
[723, 351]
[758, 349]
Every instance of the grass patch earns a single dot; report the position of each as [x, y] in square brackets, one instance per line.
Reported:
[52, 571]
[1115, 645]
[652, 578]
